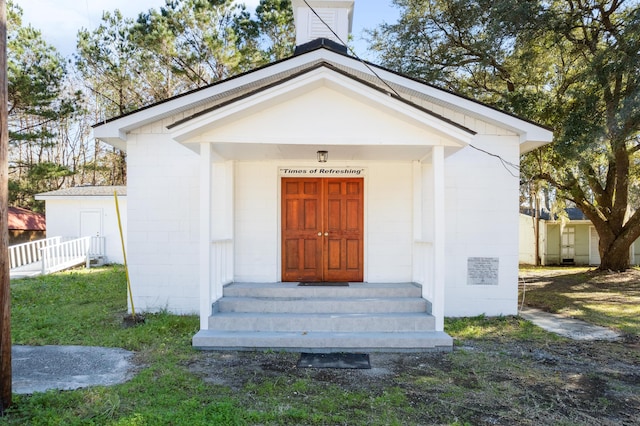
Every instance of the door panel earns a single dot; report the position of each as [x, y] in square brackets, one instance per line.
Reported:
[301, 220]
[322, 229]
[353, 254]
[345, 225]
[90, 223]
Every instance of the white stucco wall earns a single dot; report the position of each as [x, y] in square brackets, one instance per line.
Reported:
[481, 199]
[64, 220]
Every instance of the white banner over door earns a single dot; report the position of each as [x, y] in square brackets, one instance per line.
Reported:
[322, 171]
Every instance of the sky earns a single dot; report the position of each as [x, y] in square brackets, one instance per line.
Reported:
[60, 20]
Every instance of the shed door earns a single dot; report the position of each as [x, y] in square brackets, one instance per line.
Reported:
[322, 229]
[90, 223]
[568, 249]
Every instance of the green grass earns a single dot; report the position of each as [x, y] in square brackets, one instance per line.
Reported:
[86, 307]
[507, 328]
[502, 369]
[602, 298]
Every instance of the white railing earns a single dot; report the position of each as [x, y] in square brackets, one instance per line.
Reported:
[31, 252]
[70, 253]
[97, 249]
[431, 276]
[423, 268]
[222, 266]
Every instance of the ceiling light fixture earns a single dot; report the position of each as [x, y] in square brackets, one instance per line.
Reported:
[323, 156]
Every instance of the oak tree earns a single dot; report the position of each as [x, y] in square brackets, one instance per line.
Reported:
[573, 65]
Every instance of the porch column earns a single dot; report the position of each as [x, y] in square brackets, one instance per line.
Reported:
[205, 235]
[438, 236]
[418, 179]
[221, 216]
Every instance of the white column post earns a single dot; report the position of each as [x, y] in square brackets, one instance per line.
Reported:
[438, 237]
[417, 201]
[230, 219]
[205, 235]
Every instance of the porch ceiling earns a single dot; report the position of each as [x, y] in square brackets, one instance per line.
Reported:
[257, 152]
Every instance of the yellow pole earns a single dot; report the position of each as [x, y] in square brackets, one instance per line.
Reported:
[124, 254]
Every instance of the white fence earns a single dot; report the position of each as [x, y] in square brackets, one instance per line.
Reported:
[222, 262]
[56, 254]
[57, 257]
[423, 269]
[31, 252]
[426, 272]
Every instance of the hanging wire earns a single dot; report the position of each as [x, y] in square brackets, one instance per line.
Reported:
[506, 164]
[353, 52]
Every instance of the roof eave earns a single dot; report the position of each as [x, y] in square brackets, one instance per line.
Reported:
[114, 131]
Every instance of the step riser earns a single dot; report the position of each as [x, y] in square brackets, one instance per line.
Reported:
[312, 306]
[362, 317]
[354, 323]
[324, 342]
[287, 290]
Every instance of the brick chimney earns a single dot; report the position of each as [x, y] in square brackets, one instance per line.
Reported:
[338, 14]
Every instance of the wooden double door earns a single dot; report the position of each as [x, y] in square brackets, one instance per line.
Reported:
[322, 229]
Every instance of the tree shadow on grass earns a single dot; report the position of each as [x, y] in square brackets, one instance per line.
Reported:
[603, 298]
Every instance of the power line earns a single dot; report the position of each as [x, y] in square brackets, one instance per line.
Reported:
[506, 164]
[352, 51]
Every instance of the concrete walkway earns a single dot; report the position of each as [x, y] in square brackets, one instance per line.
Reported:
[40, 368]
[568, 327]
[25, 271]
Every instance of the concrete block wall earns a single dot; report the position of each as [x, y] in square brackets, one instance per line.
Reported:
[257, 240]
[163, 213]
[482, 220]
[388, 220]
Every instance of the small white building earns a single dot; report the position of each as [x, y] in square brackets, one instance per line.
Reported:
[88, 211]
[225, 186]
[571, 240]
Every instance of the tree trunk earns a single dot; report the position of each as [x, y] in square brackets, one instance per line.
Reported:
[614, 255]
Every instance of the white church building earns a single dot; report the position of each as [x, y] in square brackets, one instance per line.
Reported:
[321, 203]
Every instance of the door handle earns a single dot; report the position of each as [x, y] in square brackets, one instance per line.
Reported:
[319, 234]
[326, 234]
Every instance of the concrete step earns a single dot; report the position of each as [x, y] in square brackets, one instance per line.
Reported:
[313, 305]
[294, 290]
[323, 342]
[370, 322]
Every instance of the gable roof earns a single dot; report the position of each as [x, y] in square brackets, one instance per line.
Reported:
[307, 70]
[397, 87]
[20, 219]
[84, 191]
[573, 213]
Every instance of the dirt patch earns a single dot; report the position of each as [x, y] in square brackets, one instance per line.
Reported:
[481, 381]
[499, 379]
